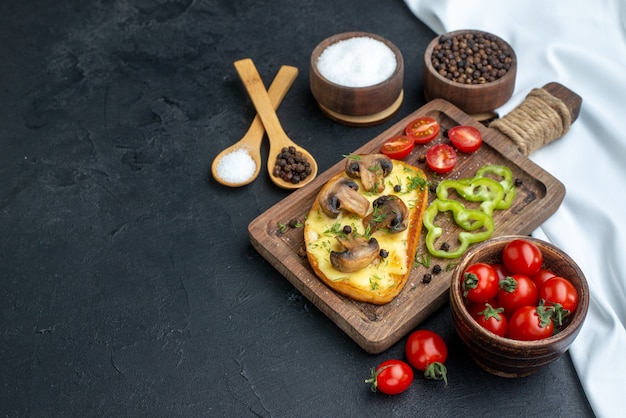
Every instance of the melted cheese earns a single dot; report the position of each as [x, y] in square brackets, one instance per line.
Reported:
[322, 231]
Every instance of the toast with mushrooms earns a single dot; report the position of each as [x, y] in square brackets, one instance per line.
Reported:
[363, 228]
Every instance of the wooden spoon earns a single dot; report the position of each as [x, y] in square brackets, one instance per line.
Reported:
[278, 138]
[251, 141]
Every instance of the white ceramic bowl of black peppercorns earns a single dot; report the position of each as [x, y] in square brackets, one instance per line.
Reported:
[472, 69]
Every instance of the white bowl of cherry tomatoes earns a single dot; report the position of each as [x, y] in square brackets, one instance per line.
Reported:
[517, 303]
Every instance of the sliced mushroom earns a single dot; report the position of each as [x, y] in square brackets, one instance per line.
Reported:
[371, 169]
[390, 213]
[358, 253]
[342, 194]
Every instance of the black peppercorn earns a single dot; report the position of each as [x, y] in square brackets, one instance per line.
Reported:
[471, 58]
[291, 165]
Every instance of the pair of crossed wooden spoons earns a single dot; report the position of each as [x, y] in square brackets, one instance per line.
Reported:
[266, 120]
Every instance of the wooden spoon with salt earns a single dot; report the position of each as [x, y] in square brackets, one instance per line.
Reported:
[251, 141]
[278, 138]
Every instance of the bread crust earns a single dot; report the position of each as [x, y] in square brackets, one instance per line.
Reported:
[378, 296]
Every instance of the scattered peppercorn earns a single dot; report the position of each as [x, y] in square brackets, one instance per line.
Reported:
[432, 188]
[347, 229]
[383, 253]
[294, 223]
[436, 269]
[472, 58]
[291, 165]
[427, 278]
[421, 158]
[397, 188]
[445, 246]
[518, 182]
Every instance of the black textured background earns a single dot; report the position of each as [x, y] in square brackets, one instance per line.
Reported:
[128, 286]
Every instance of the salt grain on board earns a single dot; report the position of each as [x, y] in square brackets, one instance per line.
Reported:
[357, 62]
[236, 166]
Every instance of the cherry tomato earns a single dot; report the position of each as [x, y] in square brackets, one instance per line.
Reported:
[427, 352]
[465, 138]
[522, 256]
[541, 277]
[530, 323]
[398, 147]
[515, 291]
[560, 290]
[489, 317]
[391, 377]
[480, 282]
[422, 130]
[441, 158]
[500, 270]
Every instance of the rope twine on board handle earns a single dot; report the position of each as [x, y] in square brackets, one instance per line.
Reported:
[540, 119]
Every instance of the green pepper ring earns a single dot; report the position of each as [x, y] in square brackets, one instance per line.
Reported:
[492, 194]
[468, 219]
[506, 182]
[477, 189]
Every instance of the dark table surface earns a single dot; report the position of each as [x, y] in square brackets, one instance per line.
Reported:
[128, 282]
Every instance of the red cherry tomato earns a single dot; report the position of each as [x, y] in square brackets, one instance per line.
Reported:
[530, 323]
[500, 270]
[560, 290]
[465, 138]
[515, 291]
[441, 158]
[398, 147]
[422, 130]
[523, 257]
[480, 282]
[427, 352]
[541, 277]
[489, 317]
[391, 377]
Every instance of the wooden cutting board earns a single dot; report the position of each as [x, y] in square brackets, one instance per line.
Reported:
[376, 328]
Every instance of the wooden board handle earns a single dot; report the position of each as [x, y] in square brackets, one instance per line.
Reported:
[545, 115]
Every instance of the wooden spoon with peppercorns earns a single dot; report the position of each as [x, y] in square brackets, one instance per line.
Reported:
[288, 174]
[251, 141]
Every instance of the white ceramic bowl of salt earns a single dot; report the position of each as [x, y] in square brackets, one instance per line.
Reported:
[357, 78]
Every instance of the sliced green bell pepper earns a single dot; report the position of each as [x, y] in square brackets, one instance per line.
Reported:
[468, 219]
[477, 189]
[506, 182]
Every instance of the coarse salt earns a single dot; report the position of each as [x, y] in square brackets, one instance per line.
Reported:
[236, 166]
[357, 62]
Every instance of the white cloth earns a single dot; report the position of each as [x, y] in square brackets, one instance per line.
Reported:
[582, 45]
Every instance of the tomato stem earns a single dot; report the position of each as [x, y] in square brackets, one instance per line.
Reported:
[545, 314]
[470, 282]
[373, 380]
[491, 312]
[436, 371]
[508, 284]
[559, 313]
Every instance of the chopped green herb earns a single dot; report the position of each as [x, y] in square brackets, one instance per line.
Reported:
[424, 260]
